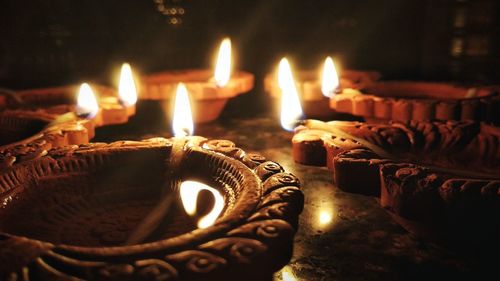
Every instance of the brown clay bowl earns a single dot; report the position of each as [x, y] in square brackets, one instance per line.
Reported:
[66, 213]
[419, 101]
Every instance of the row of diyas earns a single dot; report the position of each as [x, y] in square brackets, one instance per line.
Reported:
[315, 88]
[362, 94]
[209, 90]
[99, 106]
[439, 179]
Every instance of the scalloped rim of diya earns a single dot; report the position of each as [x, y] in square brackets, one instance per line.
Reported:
[419, 194]
[420, 101]
[314, 103]
[46, 105]
[208, 99]
[255, 231]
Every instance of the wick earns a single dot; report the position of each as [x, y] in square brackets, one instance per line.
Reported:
[152, 220]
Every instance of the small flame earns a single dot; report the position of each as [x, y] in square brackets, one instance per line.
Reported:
[223, 66]
[189, 191]
[183, 119]
[126, 88]
[330, 78]
[86, 102]
[291, 110]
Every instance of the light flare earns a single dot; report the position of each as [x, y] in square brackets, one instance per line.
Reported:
[325, 217]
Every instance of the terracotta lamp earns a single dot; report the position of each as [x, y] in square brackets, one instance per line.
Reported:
[209, 90]
[421, 101]
[184, 208]
[54, 111]
[316, 87]
[435, 177]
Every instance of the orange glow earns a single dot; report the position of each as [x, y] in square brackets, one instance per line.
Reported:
[223, 65]
[86, 102]
[126, 88]
[325, 217]
[189, 191]
[183, 119]
[330, 78]
[291, 110]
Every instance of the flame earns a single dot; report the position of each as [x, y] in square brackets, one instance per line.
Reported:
[86, 102]
[126, 88]
[223, 66]
[291, 110]
[183, 119]
[330, 78]
[189, 191]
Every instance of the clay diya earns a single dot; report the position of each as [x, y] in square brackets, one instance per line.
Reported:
[112, 211]
[68, 113]
[443, 174]
[421, 101]
[59, 112]
[184, 208]
[316, 87]
[209, 90]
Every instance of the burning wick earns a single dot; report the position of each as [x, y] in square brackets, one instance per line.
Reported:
[182, 120]
[126, 89]
[223, 65]
[330, 79]
[87, 106]
[291, 110]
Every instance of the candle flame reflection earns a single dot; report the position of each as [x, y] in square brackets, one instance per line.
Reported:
[189, 191]
[86, 102]
[330, 78]
[223, 65]
[183, 119]
[325, 217]
[126, 89]
[291, 110]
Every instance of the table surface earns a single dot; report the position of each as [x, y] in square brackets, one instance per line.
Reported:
[341, 236]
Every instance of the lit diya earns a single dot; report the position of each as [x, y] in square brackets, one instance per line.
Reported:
[421, 101]
[68, 114]
[184, 208]
[210, 90]
[316, 87]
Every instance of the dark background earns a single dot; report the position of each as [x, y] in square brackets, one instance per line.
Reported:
[51, 42]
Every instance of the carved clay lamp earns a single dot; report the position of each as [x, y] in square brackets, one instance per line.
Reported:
[420, 101]
[184, 208]
[210, 90]
[434, 177]
[52, 111]
[315, 90]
